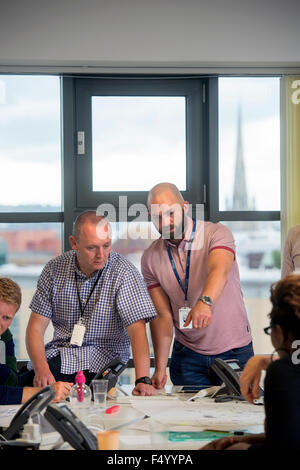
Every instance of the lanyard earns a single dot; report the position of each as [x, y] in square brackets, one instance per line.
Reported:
[187, 271]
[92, 290]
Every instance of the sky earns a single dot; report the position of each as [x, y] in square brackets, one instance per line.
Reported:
[144, 138]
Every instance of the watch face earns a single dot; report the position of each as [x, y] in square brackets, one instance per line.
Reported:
[206, 299]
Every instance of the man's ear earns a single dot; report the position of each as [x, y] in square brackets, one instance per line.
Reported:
[72, 241]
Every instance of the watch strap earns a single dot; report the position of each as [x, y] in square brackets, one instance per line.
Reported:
[206, 300]
[144, 380]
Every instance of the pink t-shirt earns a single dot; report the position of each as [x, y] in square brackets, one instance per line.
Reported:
[229, 327]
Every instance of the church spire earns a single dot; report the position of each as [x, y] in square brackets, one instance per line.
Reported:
[240, 195]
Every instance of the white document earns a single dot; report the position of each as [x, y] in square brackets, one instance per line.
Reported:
[206, 414]
[7, 412]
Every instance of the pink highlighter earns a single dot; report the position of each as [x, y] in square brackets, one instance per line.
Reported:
[112, 409]
[80, 380]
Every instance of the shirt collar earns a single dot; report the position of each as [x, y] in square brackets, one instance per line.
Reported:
[81, 274]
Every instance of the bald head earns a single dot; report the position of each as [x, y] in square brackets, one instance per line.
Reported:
[165, 193]
[167, 208]
[87, 217]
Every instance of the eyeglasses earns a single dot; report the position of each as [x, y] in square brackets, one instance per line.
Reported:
[268, 330]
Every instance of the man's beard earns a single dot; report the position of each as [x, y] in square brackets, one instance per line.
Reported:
[173, 233]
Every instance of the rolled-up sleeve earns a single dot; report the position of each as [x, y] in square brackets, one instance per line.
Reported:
[133, 301]
[42, 300]
[221, 238]
[148, 275]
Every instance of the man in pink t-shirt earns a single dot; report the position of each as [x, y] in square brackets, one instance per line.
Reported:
[193, 280]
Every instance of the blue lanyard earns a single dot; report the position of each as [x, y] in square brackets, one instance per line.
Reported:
[187, 271]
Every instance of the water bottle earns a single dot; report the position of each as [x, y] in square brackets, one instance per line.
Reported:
[80, 397]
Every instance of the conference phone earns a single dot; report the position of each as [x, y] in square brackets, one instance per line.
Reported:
[229, 371]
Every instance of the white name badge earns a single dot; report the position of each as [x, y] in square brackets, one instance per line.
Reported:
[78, 334]
[183, 314]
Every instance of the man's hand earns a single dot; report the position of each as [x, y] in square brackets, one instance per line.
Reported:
[144, 390]
[43, 378]
[62, 390]
[200, 315]
[251, 375]
[159, 379]
[225, 443]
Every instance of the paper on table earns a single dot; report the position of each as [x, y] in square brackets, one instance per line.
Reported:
[7, 413]
[208, 414]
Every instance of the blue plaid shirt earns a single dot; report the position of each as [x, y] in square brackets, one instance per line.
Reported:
[120, 298]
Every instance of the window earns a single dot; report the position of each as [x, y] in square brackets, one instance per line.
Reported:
[30, 144]
[215, 137]
[138, 142]
[249, 188]
[30, 192]
[135, 133]
[249, 144]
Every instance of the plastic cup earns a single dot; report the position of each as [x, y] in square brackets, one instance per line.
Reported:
[108, 440]
[99, 388]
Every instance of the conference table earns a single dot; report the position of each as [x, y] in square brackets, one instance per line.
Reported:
[169, 421]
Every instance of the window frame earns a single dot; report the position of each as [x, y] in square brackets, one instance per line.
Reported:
[215, 215]
[139, 86]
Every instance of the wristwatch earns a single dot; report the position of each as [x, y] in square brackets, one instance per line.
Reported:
[206, 300]
[143, 380]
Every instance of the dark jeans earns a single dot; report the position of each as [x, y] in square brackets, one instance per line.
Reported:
[188, 367]
[26, 377]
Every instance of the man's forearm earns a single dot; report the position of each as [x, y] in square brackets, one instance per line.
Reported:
[140, 351]
[162, 336]
[36, 351]
[215, 283]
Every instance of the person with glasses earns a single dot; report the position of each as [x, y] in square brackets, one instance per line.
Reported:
[282, 381]
[290, 264]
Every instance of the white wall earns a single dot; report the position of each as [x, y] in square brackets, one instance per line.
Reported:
[149, 32]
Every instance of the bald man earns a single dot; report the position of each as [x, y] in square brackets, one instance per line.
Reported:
[98, 304]
[193, 280]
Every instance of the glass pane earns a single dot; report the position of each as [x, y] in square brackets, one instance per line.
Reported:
[131, 239]
[249, 144]
[24, 250]
[30, 143]
[258, 253]
[138, 142]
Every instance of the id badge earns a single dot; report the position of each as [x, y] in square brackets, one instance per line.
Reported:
[183, 314]
[78, 334]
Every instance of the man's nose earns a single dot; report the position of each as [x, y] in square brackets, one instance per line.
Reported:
[99, 252]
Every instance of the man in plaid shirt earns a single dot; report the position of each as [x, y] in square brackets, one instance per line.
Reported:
[97, 294]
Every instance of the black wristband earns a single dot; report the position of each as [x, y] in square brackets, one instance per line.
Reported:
[143, 380]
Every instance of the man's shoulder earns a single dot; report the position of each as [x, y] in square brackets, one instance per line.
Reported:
[156, 247]
[118, 262]
[60, 262]
[214, 226]
[294, 232]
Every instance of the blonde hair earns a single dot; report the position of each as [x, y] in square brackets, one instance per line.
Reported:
[10, 292]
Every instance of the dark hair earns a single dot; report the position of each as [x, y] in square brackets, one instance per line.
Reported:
[285, 298]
